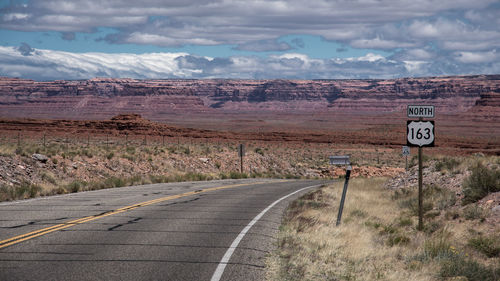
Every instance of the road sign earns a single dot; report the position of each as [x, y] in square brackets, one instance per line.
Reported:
[420, 111]
[339, 160]
[420, 133]
[406, 150]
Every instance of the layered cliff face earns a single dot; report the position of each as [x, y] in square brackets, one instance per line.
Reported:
[103, 98]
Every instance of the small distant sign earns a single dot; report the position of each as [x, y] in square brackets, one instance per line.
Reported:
[420, 111]
[406, 150]
[340, 160]
[420, 133]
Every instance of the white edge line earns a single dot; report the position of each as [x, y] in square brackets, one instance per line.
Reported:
[225, 259]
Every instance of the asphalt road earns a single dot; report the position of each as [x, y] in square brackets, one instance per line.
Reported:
[175, 231]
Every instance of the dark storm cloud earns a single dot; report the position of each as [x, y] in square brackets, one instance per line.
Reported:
[264, 46]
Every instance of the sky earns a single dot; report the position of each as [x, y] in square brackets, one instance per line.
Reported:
[246, 39]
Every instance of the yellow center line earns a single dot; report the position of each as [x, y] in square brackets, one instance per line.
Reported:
[47, 230]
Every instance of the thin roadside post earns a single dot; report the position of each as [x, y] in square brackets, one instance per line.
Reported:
[406, 165]
[420, 187]
[241, 153]
[344, 192]
[420, 192]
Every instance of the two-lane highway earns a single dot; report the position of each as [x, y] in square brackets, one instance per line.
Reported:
[218, 230]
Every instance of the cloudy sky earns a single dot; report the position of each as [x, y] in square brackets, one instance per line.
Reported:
[312, 39]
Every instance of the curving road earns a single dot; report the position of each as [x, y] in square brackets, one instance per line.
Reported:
[217, 230]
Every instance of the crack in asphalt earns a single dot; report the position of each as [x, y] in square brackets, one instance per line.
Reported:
[31, 223]
[120, 225]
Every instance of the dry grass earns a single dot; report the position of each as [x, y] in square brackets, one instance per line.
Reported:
[377, 240]
[74, 165]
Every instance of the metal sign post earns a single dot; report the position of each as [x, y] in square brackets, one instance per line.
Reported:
[420, 133]
[341, 161]
[241, 153]
[344, 192]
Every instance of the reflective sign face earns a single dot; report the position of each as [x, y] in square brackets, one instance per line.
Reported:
[420, 133]
[417, 111]
[406, 150]
[339, 160]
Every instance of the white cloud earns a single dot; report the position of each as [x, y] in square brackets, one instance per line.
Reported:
[47, 64]
[414, 67]
[370, 57]
[381, 24]
[26, 62]
[378, 43]
[159, 40]
[477, 57]
[15, 16]
[420, 54]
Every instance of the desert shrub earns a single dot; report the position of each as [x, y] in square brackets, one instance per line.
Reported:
[490, 245]
[480, 183]
[291, 176]
[137, 179]
[87, 153]
[28, 190]
[412, 205]
[401, 194]
[405, 221]
[190, 176]
[110, 182]
[20, 151]
[158, 179]
[452, 215]
[129, 157]
[397, 239]
[130, 149]
[446, 200]
[472, 270]
[76, 186]
[388, 229]
[110, 155]
[6, 193]
[359, 213]
[48, 178]
[22, 190]
[447, 164]
[439, 247]
[237, 175]
[114, 182]
[432, 214]
[473, 212]
[432, 226]
[259, 150]
[374, 224]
